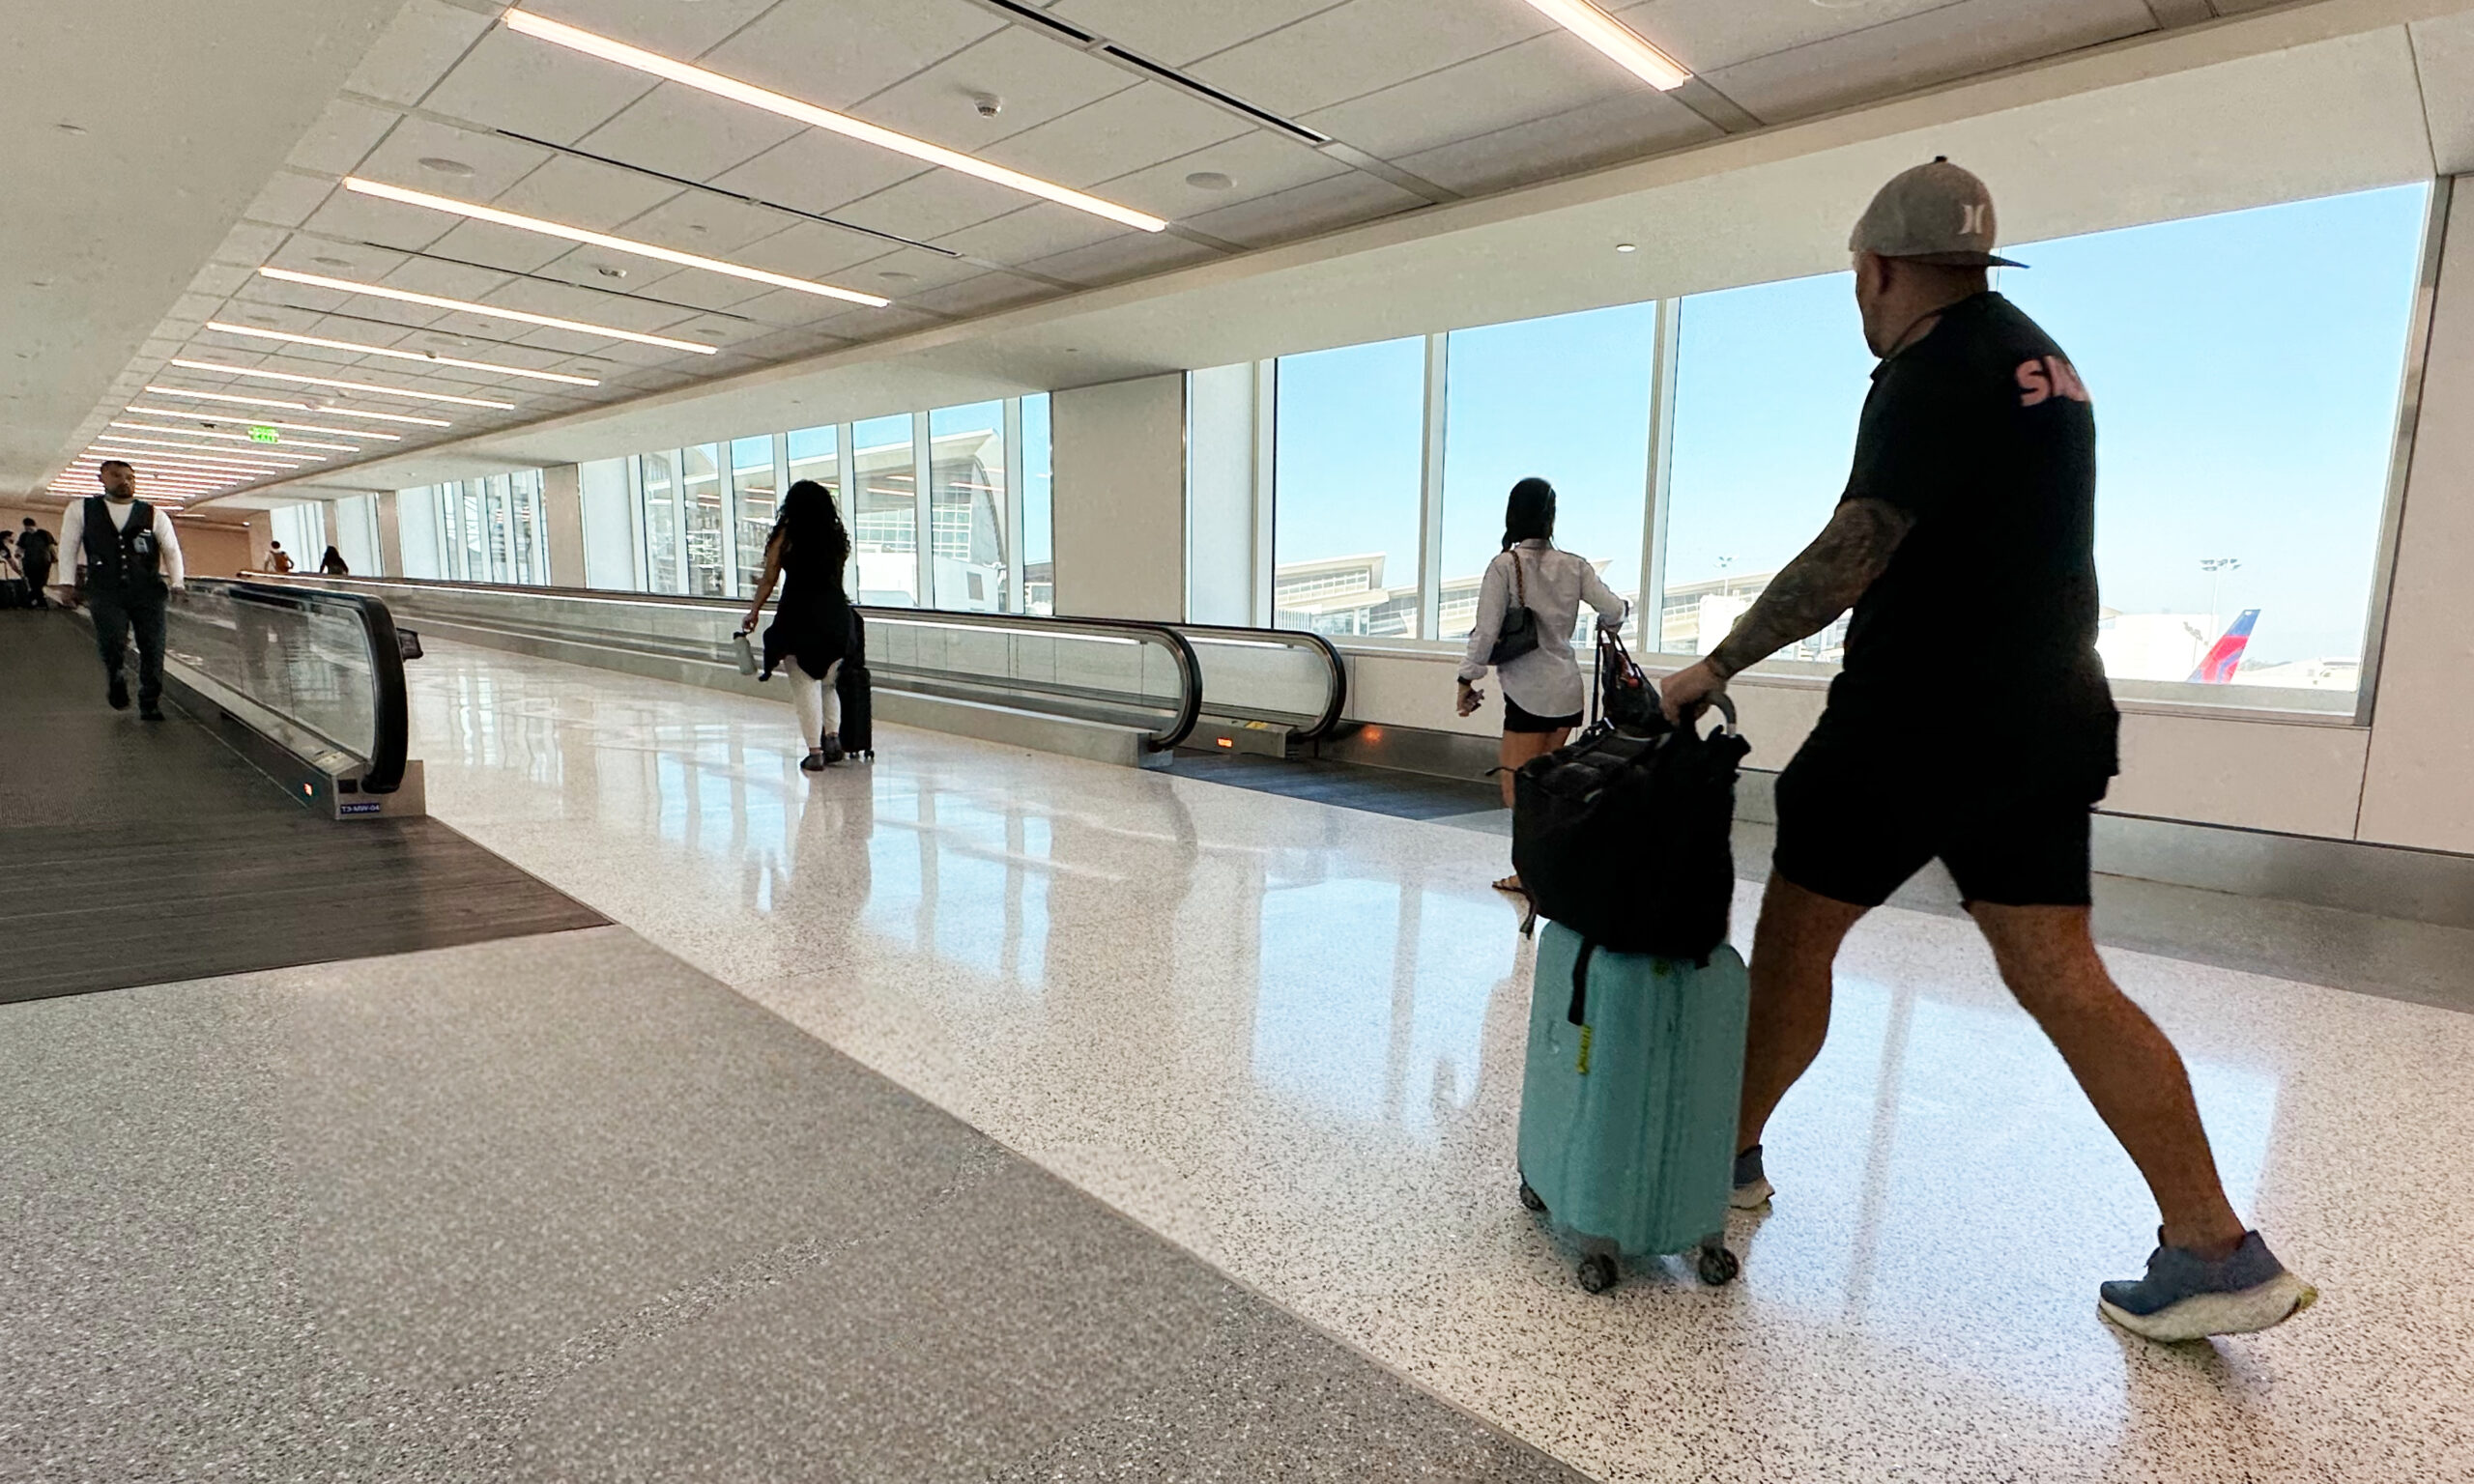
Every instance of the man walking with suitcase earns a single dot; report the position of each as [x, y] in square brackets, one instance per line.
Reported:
[1965, 543]
[124, 563]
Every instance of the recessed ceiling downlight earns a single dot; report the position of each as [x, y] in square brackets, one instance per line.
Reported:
[1209, 180]
[439, 165]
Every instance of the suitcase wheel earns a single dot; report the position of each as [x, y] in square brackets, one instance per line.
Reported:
[1716, 1266]
[1530, 1198]
[1597, 1272]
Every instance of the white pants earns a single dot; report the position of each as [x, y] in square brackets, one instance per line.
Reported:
[814, 697]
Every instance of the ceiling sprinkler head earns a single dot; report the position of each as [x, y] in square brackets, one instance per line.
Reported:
[988, 104]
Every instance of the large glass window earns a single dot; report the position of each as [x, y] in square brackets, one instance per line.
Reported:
[657, 488]
[1770, 381]
[1039, 519]
[528, 538]
[1566, 399]
[1348, 473]
[758, 499]
[966, 506]
[2245, 369]
[700, 488]
[884, 527]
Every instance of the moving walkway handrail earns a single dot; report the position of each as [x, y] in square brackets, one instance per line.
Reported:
[391, 714]
[1181, 723]
[1335, 668]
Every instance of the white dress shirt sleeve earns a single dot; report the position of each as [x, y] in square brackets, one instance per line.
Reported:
[72, 545]
[1610, 604]
[176, 571]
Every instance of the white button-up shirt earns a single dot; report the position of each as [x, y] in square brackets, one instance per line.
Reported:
[1546, 681]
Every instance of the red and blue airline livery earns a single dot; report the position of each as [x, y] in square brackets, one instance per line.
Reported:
[2227, 657]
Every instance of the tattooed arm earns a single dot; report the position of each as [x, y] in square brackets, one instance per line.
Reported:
[1822, 583]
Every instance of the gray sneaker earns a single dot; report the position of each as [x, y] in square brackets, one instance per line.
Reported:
[1753, 1189]
[2185, 1296]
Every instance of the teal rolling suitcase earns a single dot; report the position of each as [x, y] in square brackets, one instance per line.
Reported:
[1627, 1108]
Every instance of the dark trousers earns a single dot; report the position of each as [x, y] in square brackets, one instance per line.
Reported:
[117, 616]
[38, 574]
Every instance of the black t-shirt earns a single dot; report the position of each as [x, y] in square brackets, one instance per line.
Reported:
[1982, 631]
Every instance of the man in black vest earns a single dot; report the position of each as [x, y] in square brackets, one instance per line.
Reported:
[35, 553]
[124, 561]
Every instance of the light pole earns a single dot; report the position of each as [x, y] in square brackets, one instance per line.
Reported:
[2215, 567]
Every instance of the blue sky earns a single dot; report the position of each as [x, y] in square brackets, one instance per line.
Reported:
[2245, 368]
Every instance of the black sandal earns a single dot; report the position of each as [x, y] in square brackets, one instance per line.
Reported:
[812, 762]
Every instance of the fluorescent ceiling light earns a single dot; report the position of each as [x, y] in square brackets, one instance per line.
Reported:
[238, 438]
[489, 213]
[1618, 41]
[289, 427]
[493, 311]
[329, 381]
[122, 444]
[332, 412]
[389, 350]
[171, 461]
[193, 484]
[696, 77]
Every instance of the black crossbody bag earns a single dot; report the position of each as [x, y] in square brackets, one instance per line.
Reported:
[1518, 635]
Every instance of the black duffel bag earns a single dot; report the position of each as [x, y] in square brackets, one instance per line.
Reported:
[1629, 841]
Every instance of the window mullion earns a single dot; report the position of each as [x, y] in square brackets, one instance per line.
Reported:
[1431, 493]
[1650, 635]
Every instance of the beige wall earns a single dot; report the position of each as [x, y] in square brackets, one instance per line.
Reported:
[2420, 790]
[1120, 512]
[213, 549]
[563, 523]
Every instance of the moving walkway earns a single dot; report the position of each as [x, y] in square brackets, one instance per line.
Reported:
[1122, 691]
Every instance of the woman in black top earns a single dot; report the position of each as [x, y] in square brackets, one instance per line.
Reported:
[332, 564]
[811, 629]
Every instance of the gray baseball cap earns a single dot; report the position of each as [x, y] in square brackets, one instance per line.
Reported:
[1932, 213]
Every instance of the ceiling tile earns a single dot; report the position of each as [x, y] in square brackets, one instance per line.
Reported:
[1536, 80]
[818, 171]
[535, 296]
[712, 226]
[1629, 126]
[250, 244]
[1039, 230]
[927, 207]
[1121, 133]
[356, 218]
[341, 137]
[834, 55]
[423, 42]
[495, 247]
[511, 82]
[579, 193]
[809, 249]
[984, 294]
[1705, 35]
[665, 26]
[1956, 41]
[496, 161]
[1035, 78]
[2444, 59]
[1363, 47]
[222, 278]
[1179, 34]
[450, 280]
[1131, 256]
[784, 344]
[1258, 163]
[1323, 205]
[693, 287]
[906, 272]
[684, 132]
[289, 199]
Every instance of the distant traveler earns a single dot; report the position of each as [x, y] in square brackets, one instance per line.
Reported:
[811, 630]
[36, 552]
[1543, 690]
[332, 564]
[1972, 721]
[278, 558]
[124, 562]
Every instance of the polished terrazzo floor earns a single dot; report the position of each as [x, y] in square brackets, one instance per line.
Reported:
[1286, 1035]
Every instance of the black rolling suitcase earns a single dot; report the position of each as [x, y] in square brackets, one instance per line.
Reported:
[857, 692]
[15, 593]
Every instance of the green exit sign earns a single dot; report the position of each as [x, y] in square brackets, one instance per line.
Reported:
[259, 433]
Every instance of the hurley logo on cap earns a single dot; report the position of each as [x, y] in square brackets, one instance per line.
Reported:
[1933, 214]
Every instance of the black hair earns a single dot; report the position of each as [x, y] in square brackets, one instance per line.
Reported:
[813, 523]
[115, 463]
[1529, 515]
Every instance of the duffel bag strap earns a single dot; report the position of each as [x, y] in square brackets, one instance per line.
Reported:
[1578, 1014]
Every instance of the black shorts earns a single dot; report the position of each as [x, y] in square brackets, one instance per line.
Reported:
[1855, 823]
[1517, 720]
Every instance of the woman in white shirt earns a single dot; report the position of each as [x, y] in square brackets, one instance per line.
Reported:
[1543, 688]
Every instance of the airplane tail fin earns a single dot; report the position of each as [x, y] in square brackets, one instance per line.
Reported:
[2226, 656]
